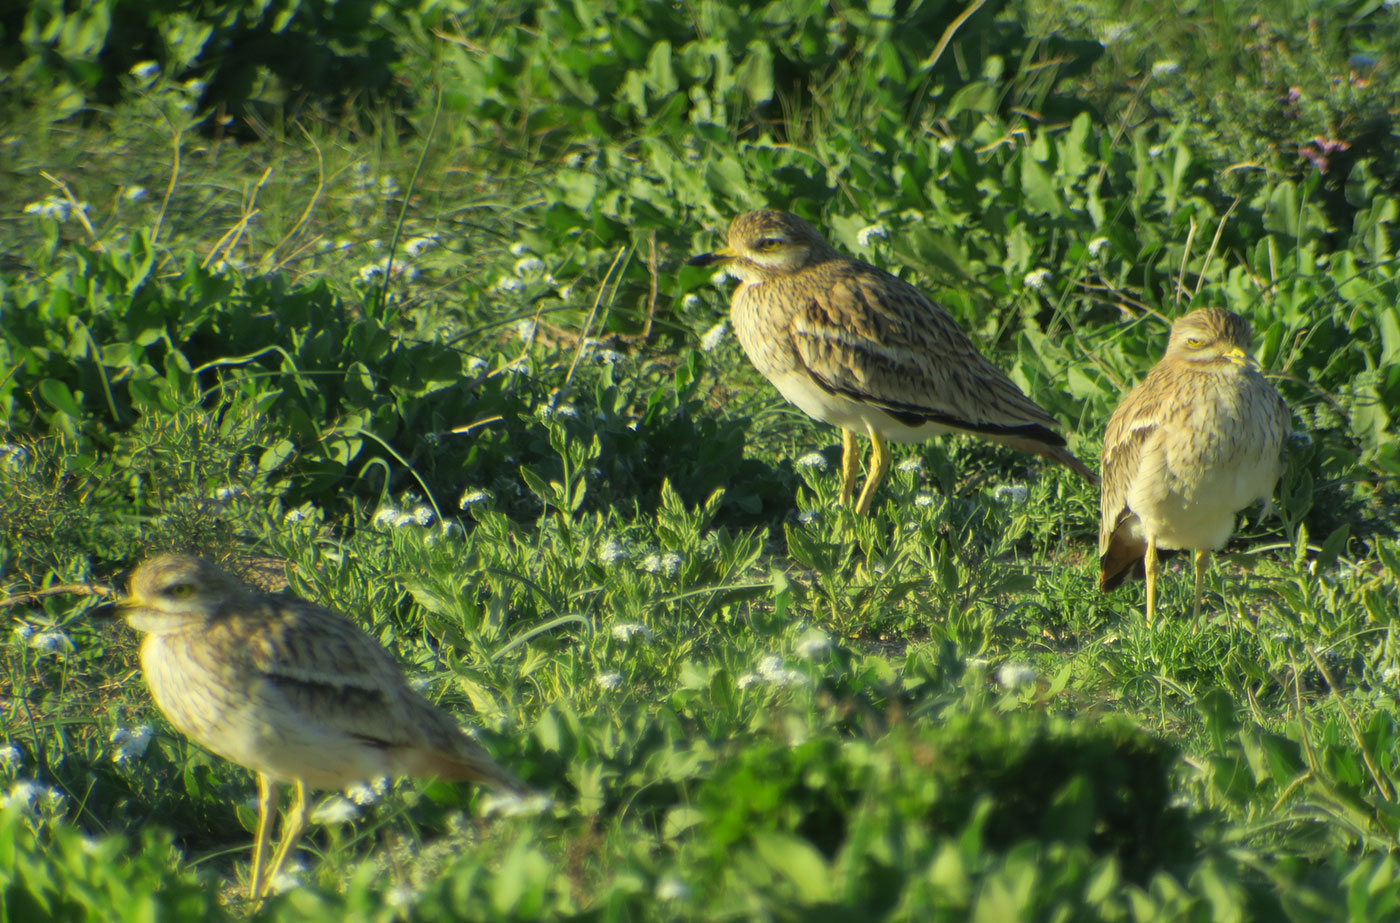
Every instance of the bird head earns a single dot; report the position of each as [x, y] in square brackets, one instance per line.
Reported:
[766, 244]
[172, 591]
[1212, 337]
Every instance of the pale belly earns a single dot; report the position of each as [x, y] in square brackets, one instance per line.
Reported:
[249, 723]
[842, 411]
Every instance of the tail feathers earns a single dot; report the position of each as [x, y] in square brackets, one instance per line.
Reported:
[1053, 452]
[467, 762]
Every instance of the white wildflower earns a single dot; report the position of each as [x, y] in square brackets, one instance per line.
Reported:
[194, 86]
[1038, 279]
[566, 411]
[1011, 494]
[293, 516]
[667, 564]
[404, 519]
[520, 249]
[510, 804]
[476, 364]
[473, 496]
[1155, 151]
[1388, 675]
[672, 888]
[131, 744]
[225, 494]
[366, 793]
[606, 356]
[575, 160]
[771, 669]
[812, 460]
[335, 810]
[872, 232]
[423, 514]
[813, 644]
[386, 517]
[611, 551]
[691, 302]
[401, 895]
[608, 681]
[923, 498]
[1097, 246]
[626, 631]
[55, 207]
[289, 879]
[1015, 675]
[509, 285]
[565, 292]
[10, 759]
[13, 456]
[1165, 68]
[719, 277]
[714, 336]
[529, 267]
[48, 642]
[808, 517]
[911, 465]
[22, 632]
[24, 793]
[747, 680]
[1113, 32]
[450, 529]
[947, 145]
[525, 329]
[145, 70]
[417, 246]
[371, 271]
[134, 193]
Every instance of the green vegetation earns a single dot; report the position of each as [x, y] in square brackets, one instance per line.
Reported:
[397, 292]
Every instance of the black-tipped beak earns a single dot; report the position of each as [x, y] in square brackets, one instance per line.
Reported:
[706, 259]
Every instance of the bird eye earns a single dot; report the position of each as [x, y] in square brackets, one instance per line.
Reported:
[180, 590]
[1194, 342]
[768, 243]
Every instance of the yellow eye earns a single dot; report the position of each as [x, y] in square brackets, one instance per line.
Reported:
[1194, 342]
[180, 591]
[768, 243]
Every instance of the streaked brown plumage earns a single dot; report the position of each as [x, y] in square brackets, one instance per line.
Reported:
[1196, 441]
[295, 692]
[854, 346]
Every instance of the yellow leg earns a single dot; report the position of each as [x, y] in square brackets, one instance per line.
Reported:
[267, 807]
[1150, 565]
[879, 464]
[850, 465]
[1202, 560]
[292, 829]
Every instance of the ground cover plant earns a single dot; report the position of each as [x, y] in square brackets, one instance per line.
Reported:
[396, 293]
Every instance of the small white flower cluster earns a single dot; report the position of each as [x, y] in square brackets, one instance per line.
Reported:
[510, 804]
[719, 277]
[225, 494]
[476, 365]
[667, 564]
[813, 644]
[911, 465]
[33, 798]
[529, 267]
[134, 193]
[1097, 246]
[55, 207]
[716, 335]
[520, 249]
[872, 232]
[1038, 279]
[1113, 32]
[335, 810]
[1014, 675]
[130, 745]
[475, 496]
[608, 681]
[49, 642]
[509, 285]
[691, 302]
[923, 498]
[611, 551]
[808, 517]
[773, 671]
[391, 517]
[417, 246]
[525, 329]
[812, 460]
[671, 888]
[289, 879]
[13, 456]
[400, 269]
[626, 631]
[1011, 494]
[1165, 68]
[367, 793]
[10, 759]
